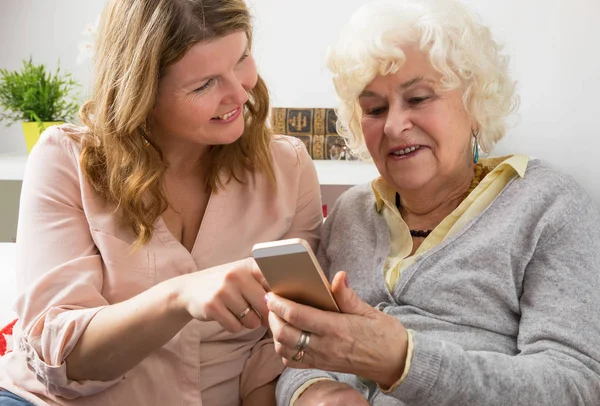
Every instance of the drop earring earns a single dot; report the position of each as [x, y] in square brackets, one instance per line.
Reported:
[475, 147]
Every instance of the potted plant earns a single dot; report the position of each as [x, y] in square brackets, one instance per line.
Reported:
[36, 97]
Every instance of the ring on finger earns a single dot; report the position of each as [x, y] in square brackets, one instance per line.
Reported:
[298, 357]
[303, 340]
[244, 313]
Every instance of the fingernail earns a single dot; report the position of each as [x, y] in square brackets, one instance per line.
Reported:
[267, 298]
[346, 281]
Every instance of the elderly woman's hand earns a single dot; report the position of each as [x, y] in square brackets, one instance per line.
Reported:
[361, 340]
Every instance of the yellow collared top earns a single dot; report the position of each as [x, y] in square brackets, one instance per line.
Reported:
[503, 169]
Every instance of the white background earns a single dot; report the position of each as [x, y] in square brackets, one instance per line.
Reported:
[554, 44]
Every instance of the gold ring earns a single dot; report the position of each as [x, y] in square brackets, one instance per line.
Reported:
[245, 312]
[298, 357]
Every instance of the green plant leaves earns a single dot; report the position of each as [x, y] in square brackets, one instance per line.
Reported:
[36, 94]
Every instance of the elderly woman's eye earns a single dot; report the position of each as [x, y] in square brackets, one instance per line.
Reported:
[417, 100]
[376, 111]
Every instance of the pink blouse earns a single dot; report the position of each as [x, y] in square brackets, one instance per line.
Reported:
[74, 258]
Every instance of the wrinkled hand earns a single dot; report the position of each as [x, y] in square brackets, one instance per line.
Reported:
[223, 293]
[361, 340]
[331, 393]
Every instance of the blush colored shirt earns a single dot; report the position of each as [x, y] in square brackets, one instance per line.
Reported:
[75, 257]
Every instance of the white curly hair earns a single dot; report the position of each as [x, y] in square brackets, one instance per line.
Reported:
[459, 46]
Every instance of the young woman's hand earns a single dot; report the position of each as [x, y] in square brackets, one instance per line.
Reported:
[232, 294]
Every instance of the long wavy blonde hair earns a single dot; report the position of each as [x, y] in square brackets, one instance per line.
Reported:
[137, 40]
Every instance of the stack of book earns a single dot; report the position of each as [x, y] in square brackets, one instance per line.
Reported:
[316, 127]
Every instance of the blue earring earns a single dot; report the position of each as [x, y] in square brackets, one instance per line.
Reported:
[475, 147]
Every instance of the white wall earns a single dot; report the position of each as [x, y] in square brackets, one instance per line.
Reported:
[555, 49]
[554, 46]
[46, 30]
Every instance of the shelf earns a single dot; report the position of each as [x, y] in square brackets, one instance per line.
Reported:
[12, 167]
[346, 173]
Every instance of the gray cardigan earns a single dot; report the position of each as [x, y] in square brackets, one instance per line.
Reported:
[505, 312]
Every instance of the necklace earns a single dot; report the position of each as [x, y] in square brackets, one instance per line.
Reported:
[480, 173]
[420, 233]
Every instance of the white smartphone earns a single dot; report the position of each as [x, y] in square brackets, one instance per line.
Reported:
[292, 271]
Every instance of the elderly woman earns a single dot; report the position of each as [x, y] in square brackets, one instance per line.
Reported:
[467, 281]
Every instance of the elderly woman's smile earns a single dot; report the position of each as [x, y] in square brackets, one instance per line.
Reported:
[405, 152]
